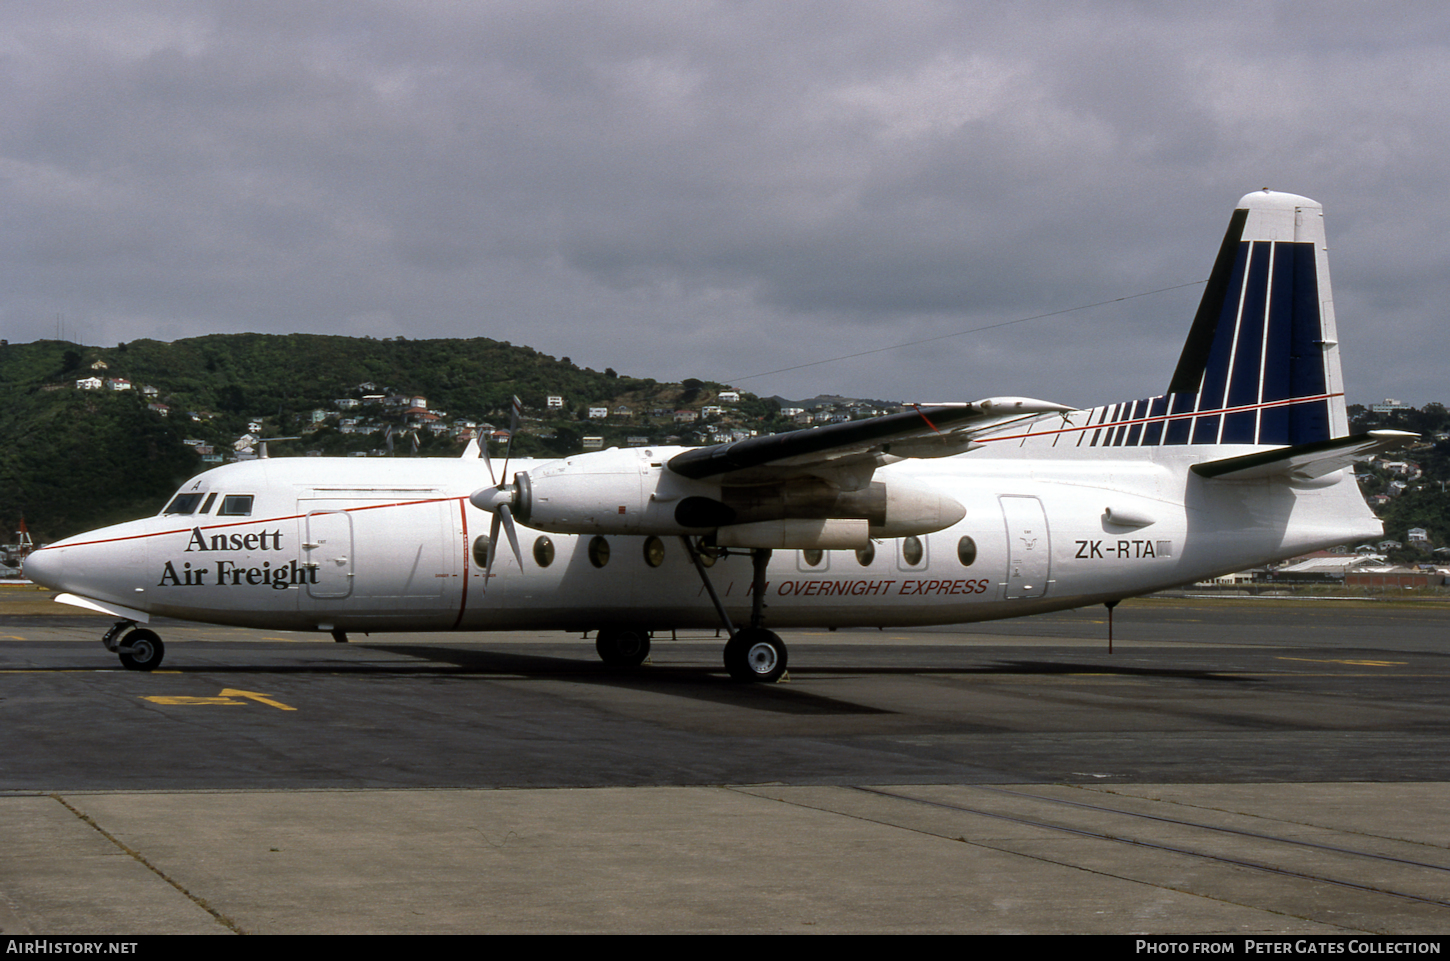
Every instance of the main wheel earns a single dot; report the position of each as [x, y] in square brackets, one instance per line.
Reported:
[627, 648]
[755, 654]
[146, 650]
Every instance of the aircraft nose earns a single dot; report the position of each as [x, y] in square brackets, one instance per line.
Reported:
[44, 567]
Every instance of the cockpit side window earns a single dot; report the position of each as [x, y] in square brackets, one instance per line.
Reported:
[206, 508]
[236, 505]
[183, 504]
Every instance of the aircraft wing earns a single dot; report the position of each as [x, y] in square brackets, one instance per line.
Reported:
[849, 452]
[1305, 460]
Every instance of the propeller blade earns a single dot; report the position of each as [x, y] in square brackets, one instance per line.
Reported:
[513, 535]
[515, 413]
[492, 550]
[483, 451]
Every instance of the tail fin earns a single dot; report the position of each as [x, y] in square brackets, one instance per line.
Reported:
[1261, 364]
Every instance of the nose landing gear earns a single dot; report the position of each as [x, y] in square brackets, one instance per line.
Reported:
[139, 649]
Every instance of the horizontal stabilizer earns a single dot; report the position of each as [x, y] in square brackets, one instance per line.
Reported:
[1305, 461]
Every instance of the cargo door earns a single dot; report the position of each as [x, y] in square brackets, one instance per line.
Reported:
[327, 553]
[1028, 548]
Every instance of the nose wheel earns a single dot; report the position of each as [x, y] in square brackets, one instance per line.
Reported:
[139, 649]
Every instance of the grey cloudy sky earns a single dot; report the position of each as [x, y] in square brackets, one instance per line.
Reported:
[720, 189]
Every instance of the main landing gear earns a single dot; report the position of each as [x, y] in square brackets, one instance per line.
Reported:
[140, 649]
[752, 653]
[755, 654]
[622, 648]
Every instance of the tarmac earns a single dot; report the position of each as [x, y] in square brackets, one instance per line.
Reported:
[1232, 768]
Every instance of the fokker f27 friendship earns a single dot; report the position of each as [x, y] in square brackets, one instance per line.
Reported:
[941, 514]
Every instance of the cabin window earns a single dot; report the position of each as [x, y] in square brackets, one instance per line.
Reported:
[813, 558]
[480, 550]
[236, 505]
[654, 551]
[543, 552]
[966, 551]
[183, 504]
[912, 551]
[598, 551]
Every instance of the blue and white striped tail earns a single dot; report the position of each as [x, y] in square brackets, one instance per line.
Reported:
[1261, 365]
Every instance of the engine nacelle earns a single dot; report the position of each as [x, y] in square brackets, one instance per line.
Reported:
[633, 492]
[609, 492]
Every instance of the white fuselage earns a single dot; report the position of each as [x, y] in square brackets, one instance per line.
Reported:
[367, 545]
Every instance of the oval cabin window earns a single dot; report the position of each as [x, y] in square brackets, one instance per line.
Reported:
[912, 551]
[966, 551]
[598, 551]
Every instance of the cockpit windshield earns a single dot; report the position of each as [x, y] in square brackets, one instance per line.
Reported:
[236, 505]
[186, 503]
[183, 504]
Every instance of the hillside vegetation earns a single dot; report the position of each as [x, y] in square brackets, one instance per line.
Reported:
[75, 459]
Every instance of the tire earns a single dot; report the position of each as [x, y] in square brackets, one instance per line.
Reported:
[755, 654]
[147, 650]
[626, 648]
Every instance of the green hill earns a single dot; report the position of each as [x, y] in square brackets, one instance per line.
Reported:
[75, 459]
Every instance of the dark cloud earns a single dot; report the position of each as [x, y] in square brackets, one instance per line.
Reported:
[720, 189]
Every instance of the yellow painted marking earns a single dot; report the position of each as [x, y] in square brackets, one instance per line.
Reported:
[226, 697]
[190, 701]
[1351, 663]
[259, 698]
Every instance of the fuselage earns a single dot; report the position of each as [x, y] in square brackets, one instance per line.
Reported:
[375, 545]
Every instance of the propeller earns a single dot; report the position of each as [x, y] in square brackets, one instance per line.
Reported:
[498, 498]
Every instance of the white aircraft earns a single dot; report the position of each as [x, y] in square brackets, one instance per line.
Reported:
[941, 514]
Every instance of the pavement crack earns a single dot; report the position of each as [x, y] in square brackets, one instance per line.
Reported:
[200, 902]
